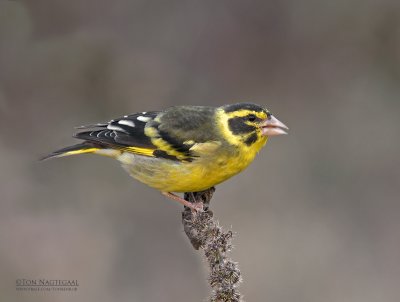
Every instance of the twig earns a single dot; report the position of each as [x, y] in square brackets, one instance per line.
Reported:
[205, 233]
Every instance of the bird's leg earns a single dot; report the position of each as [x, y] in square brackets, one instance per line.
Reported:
[197, 207]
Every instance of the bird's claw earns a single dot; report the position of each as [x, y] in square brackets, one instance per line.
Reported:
[197, 207]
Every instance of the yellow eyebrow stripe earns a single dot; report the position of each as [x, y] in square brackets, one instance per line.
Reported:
[245, 112]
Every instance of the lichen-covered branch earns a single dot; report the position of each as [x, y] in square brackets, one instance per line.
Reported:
[206, 234]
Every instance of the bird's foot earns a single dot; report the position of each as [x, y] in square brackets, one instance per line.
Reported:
[195, 206]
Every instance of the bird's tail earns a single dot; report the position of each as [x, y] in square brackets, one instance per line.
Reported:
[73, 150]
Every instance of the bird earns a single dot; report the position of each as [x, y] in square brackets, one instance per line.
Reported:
[181, 148]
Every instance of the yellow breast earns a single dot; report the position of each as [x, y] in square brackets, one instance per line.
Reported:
[202, 173]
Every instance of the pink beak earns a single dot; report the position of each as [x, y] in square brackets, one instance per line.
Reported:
[273, 127]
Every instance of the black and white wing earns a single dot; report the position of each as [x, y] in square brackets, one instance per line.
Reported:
[127, 132]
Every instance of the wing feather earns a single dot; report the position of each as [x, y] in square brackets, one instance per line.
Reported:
[179, 133]
[125, 133]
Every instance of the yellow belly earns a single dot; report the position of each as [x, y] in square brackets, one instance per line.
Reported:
[172, 176]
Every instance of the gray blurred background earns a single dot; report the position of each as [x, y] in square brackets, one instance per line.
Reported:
[317, 216]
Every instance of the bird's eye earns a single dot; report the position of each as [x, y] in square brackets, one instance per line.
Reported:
[251, 117]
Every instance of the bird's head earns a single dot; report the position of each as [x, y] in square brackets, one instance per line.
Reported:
[249, 124]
